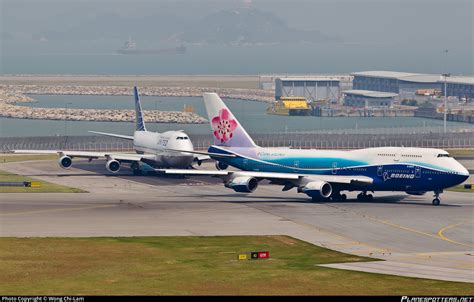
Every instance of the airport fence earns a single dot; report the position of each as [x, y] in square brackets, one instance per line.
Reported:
[292, 140]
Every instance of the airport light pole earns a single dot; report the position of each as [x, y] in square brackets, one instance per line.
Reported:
[445, 74]
[445, 99]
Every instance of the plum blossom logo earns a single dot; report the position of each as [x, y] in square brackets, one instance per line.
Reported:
[223, 126]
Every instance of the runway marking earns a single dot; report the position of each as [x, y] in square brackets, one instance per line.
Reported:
[442, 236]
[347, 240]
[407, 228]
[442, 254]
[54, 210]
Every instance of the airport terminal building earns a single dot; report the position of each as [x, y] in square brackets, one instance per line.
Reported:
[368, 99]
[462, 87]
[403, 83]
[311, 88]
[406, 84]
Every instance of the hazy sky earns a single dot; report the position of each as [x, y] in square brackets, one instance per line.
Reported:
[377, 20]
[407, 25]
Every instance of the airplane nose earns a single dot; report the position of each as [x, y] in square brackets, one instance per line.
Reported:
[188, 147]
[463, 173]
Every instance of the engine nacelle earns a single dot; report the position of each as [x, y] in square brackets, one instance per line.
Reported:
[221, 166]
[113, 165]
[316, 188]
[243, 184]
[65, 162]
[419, 193]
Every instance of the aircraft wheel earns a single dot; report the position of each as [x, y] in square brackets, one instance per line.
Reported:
[339, 197]
[136, 168]
[369, 197]
[436, 202]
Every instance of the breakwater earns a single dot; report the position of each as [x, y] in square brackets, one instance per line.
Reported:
[258, 95]
[452, 117]
[14, 99]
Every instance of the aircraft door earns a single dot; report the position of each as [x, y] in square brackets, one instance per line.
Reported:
[379, 170]
[397, 157]
[334, 168]
[245, 162]
[296, 165]
[417, 172]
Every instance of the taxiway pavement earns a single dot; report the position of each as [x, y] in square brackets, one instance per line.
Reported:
[412, 236]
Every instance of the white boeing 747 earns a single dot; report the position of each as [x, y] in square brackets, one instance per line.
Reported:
[151, 148]
[322, 174]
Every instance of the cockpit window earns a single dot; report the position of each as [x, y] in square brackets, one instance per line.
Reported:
[443, 155]
[182, 137]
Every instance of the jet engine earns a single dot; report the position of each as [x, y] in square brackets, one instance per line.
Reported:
[65, 162]
[243, 184]
[221, 166]
[316, 189]
[113, 165]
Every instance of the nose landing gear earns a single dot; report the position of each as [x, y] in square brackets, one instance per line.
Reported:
[436, 200]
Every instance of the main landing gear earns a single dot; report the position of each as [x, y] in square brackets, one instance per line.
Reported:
[436, 200]
[136, 168]
[363, 196]
[337, 196]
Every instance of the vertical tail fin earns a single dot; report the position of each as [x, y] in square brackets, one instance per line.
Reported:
[138, 111]
[226, 128]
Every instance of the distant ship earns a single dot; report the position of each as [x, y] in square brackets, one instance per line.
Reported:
[130, 48]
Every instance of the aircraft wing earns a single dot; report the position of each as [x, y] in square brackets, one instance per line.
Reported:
[333, 179]
[193, 172]
[113, 135]
[203, 153]
[342, 179]
[91, 155]
[262, 175]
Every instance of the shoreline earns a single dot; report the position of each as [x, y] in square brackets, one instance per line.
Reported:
[12, 96]
[217, 81]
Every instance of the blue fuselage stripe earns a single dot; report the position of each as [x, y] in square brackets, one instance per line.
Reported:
[386, 177]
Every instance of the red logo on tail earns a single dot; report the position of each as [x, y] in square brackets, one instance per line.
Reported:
[223, 126]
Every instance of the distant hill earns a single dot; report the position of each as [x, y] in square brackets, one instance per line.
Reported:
[244, 26]
[114, 26]
[240, 26]
[4, 36]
